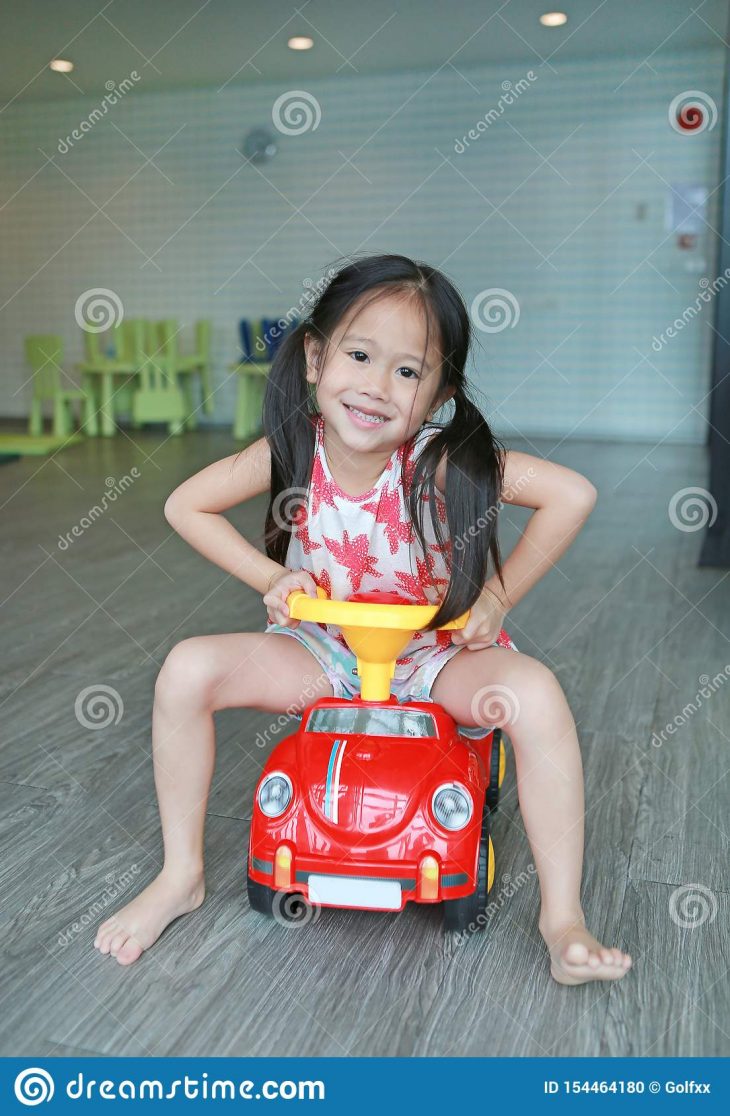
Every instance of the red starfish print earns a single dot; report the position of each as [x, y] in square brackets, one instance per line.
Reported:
[355, 556]
[323, 490]
[387, 510]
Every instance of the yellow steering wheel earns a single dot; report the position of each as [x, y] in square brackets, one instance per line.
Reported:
[376, 633]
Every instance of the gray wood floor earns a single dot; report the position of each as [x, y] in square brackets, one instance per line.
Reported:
[627, 622]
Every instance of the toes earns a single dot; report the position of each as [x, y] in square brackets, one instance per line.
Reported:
[576, 954]
[105, 936]
[129, 952]
[607, 956]
[118, 940]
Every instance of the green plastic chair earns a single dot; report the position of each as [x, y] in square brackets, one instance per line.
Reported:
[158, 397]
[189, 365]
[44, 353]
[199, 363]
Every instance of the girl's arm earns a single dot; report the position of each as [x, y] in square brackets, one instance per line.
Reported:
[194, 510]
[562, 499]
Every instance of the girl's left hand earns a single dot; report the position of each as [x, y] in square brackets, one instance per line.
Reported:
[484, 623]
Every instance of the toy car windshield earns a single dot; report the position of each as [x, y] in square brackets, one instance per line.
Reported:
[371, 722]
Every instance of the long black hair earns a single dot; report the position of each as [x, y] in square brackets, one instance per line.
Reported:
[475, 458]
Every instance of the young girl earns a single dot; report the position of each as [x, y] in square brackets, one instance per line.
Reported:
[366, 492]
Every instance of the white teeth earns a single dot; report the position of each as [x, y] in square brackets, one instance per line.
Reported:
[368, 418]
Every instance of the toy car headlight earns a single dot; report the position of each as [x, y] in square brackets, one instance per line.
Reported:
[275, 794]
[452, 806]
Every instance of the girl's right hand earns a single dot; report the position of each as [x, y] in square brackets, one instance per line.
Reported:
[279, 590]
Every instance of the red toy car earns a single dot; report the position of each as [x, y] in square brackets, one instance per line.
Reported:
[371, 802]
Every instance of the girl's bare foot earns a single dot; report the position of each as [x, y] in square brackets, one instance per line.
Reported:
[137, 926]
[576, 956]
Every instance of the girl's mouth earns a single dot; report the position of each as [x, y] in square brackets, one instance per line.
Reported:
[362, 420]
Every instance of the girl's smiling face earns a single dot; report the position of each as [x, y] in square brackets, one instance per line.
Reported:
[374, 366]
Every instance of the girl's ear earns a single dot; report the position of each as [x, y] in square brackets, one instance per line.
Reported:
[312, 354]
[440, 401]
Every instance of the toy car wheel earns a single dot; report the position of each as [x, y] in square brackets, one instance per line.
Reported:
[492, 798]
[260, 897]
[463, 914]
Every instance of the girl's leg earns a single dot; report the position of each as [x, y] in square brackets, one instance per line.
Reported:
[199, 676]
[499, 686]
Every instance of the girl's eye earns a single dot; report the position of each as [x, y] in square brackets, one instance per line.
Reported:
[358, 353]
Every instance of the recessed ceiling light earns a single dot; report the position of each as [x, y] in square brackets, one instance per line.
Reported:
[300, 42]
[553, 19]
[61, 65]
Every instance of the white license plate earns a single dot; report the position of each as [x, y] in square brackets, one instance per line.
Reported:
[348, 891]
